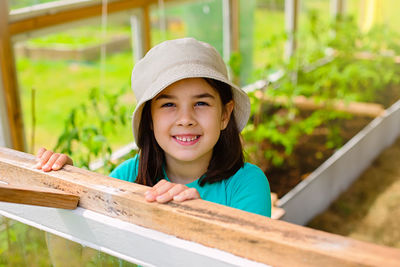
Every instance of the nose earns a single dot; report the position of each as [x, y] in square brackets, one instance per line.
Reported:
[186, 117]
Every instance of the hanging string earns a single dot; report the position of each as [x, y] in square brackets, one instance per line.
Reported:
[103, 50]
[162, 19]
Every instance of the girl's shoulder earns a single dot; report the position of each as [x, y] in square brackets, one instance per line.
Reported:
[249, 175]
[248, 189]
[127, 170]
[249, 169]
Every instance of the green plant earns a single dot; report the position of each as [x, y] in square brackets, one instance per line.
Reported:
[88, 126]
[275, 127]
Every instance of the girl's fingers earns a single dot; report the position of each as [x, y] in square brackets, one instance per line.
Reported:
[160, 188]
[61, 161]
[49, 164]
[43, 159]
[190, 193]
[40, 152]
[176, 189]
[165, 191]
[159, 184]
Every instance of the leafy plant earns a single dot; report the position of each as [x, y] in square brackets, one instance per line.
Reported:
[86, 131]
[325, 67]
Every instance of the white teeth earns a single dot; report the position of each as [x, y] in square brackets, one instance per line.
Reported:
[184, 139]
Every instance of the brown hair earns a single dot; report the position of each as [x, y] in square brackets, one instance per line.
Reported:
[227, 156]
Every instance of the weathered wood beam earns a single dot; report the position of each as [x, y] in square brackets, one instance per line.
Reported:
[9, 81]
[244, 234]
[39, 196]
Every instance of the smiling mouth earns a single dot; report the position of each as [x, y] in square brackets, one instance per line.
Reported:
[187, 139]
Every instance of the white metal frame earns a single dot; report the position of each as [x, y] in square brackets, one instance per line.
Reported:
[121, 239]
[338, 172]
[227, 34]
[291, 18]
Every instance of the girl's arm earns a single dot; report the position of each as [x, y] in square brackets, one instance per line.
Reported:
[165, 191]
[48, 160]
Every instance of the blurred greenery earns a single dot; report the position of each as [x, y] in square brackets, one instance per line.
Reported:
[326, 67]
[79, 37]
[23, 245]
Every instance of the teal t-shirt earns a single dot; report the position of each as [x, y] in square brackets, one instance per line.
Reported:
[248, 189]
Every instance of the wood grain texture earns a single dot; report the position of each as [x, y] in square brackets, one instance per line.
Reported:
[39, 196]
[241, 233]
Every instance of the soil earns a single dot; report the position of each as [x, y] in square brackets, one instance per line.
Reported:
[370, 209]
[310, 153]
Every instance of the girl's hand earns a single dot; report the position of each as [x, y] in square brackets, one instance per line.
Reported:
[165, 191]
[48, 160]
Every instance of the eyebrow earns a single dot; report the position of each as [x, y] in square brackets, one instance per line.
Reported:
[166, 96]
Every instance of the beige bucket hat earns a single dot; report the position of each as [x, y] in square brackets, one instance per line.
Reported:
[174, 60]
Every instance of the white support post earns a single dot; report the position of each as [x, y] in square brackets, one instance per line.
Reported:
[137, 31]
[230, 35]
[338, 7]
[140, 33]
[226, 29]
[291, 18]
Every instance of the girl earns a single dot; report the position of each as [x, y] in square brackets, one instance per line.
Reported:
[187, 125]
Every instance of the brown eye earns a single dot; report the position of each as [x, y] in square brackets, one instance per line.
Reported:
[201, 103]
[167, 105]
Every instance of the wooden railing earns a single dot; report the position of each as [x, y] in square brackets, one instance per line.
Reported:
[243, 234]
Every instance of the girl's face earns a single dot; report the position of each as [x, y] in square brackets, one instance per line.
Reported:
[188, 117]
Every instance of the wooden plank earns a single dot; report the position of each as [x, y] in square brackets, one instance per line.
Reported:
[9, 81]
[74, 14]
[243, 234]
[371, 110]
[39, 196]
[146, 29]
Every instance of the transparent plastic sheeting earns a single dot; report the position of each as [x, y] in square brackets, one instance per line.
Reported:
[24, 245]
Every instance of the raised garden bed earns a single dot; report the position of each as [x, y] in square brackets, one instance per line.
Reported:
[314, 194]
[85, 53]
[369, 209]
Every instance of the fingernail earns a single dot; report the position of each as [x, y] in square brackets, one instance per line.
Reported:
[147, 193]
[147, 197]
[160, 198]
[178, 198]
[56, 166]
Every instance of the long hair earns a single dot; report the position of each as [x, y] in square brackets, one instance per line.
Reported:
[227, 157]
